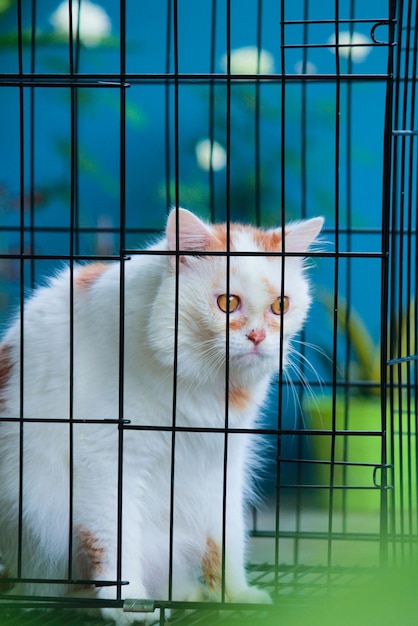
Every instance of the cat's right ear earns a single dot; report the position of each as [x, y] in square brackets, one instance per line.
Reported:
[186, 232]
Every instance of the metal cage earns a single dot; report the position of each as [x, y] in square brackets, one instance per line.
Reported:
[340, 493]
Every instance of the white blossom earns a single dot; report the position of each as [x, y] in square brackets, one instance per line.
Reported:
[358, 53]
[208, 153]
[94, 21]
[307, 67]
[249, 60]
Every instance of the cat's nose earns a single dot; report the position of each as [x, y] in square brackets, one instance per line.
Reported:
[257, 335]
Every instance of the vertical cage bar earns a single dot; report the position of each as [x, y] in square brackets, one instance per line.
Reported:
[257, 110]
[384, 327]
[167, 109]
[337, 130]
[73, 51]
[257, 156]
[122, 259]
[21, 285]
[303, 176]
[73, 192]
[413, 321]
[277, 545]
[394, 118]
[348, 313]
[405, 321]
[212, 106]
[32, 141]
[227, 278]
[401, 287]
[176, 296]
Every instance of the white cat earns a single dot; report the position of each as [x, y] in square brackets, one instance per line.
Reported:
[179, 487]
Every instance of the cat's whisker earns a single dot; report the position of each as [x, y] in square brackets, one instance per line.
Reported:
[294, 357]
[307, 362]
[301, 374]
[295, 396]
[314, 348]
[215, 364]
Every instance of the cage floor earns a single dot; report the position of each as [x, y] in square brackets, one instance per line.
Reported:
[297, 587]
[355, 548]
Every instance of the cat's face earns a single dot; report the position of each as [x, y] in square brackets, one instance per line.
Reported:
[232, 308]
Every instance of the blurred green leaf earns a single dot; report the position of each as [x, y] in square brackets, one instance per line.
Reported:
[364, 353]
[5, 5]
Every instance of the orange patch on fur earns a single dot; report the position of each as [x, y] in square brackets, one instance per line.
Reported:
[88, 274]
[212, 565]
[271, 289]
[5, 367]
[270, 241]
[237, 323]
[265, 240]
[218, 239]
[92, 549]
[239, 398]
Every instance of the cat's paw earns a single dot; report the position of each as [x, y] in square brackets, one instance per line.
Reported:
[123, 618]
[252, 595]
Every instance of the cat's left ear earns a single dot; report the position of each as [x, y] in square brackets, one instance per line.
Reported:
[193, 234]
[300, 235]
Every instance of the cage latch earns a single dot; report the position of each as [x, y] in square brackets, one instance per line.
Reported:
[378, 25]
[376, 469]
[138, 606]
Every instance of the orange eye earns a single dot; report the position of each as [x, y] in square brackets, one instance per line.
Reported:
[280, 306]
[228, 303]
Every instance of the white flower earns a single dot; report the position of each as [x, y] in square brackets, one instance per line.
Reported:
[249, 60]
[358, 53]
[94, 21]
[208, 152]
[307, 67]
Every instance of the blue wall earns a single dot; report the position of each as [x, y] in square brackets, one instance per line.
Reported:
[310, 142]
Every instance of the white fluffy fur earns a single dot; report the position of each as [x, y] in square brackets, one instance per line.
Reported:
[148, 391]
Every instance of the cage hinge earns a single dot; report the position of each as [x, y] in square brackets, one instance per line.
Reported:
[132, 605]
